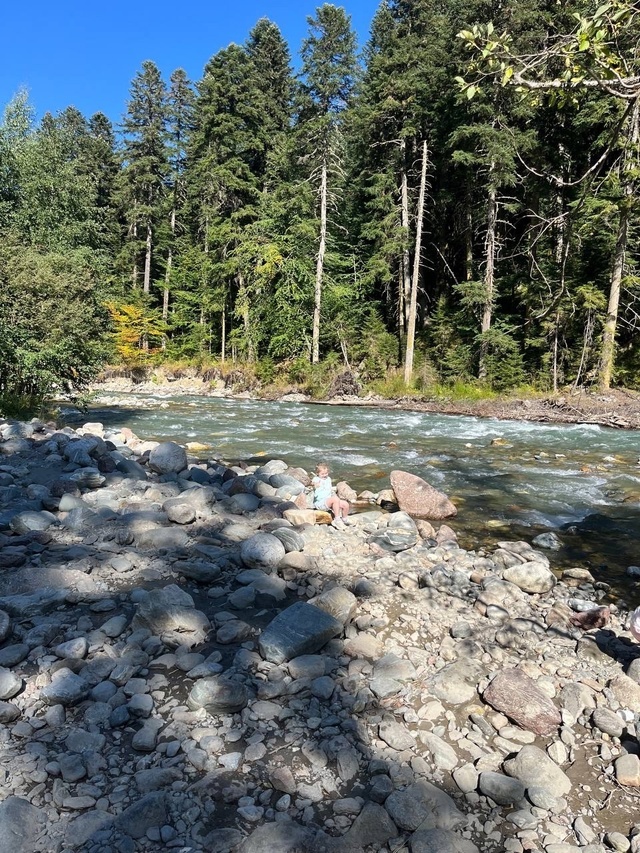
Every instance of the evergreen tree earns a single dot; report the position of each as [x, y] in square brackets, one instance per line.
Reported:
[328, 78]
[145, 167]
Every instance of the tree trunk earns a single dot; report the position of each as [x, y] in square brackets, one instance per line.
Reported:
[607, 356]
[405, 293]
[489, 275]
[315, 340]
[469, 244]
[605, 368]
[243, 298]
[223, 333]
[134, 234]
[167, 274]
[413, 302]
[147, 260]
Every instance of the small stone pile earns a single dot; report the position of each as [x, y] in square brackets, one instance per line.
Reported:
[184, 665]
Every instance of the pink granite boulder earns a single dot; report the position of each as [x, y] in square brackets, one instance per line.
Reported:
[418, 499]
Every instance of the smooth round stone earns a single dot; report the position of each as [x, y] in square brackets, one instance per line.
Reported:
[607, 721]
[8, 712]
[291, 539]
[262, 551]
[218, 694]
[12, 655]
[73, 649]
[181, 513]
[10, 684]
[167, 458]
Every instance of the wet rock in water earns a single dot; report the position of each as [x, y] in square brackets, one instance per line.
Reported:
[420, 500]
[168, 458]
[533, 767]
[218, 694]
[517, 696]
[20, 825]
[549, 541]
[262, 551]
[299, 630]
[532, 577]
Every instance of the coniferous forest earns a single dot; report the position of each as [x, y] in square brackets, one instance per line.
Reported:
[373, 212]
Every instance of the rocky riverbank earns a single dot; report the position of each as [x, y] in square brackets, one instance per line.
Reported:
[617, 408]
[185, 666]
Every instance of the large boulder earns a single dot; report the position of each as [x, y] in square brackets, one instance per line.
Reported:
[262, 551]
[299, 630]
[168, 458]
[517, 696]
[418, 499]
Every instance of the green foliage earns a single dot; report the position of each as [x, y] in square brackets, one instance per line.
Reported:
[50, 322]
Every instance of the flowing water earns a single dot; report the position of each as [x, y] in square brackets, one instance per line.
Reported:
[581, 481]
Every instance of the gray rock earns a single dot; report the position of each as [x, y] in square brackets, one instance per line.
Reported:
[440, 841]
[372, 826]
[180, 513]
[66, 689]
[10, 684]
[262, 551]
[81, 830]
[167, 458]
[396, 540]
[423, 802]
[444, 755]
[8, 712]
[171, 614]
[503, 790]
[20, 825]
[532, 577]
[5, 625]
[607, 721]
[300, 629]
[132, 469]
[288, 837]
[396, 735]
[199, 571]
[534, 767]
[12, 655]
[225, 840]
[218, 694]
[73, 649]
[291, 539]
[338, 602]
[549, 541]
[25, 522]
[165, 538]
[149, 811]
[456, 683]
[156, 778]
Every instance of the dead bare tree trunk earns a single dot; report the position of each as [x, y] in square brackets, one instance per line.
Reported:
[405, 292]
[322, 248]
[489, 275]
[413, 301]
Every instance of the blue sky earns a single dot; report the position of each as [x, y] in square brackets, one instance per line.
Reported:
[85, 54]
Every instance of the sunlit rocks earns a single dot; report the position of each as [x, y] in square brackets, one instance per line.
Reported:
[262, 551]
[531, 577]
[420, 500]
[532, 766]
[299, 630]
[218, 694]
[168, 458]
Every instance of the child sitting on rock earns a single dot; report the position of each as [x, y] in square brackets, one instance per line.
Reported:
[323, 497]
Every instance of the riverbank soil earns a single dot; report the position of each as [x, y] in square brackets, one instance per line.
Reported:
[186, 664]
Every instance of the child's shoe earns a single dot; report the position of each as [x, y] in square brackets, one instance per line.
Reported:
[338, 523]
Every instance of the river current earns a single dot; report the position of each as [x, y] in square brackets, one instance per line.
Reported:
[509, 479]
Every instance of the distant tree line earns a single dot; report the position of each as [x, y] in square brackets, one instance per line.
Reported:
[374, 210]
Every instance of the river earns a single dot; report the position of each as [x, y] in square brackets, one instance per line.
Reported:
[509, 479]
